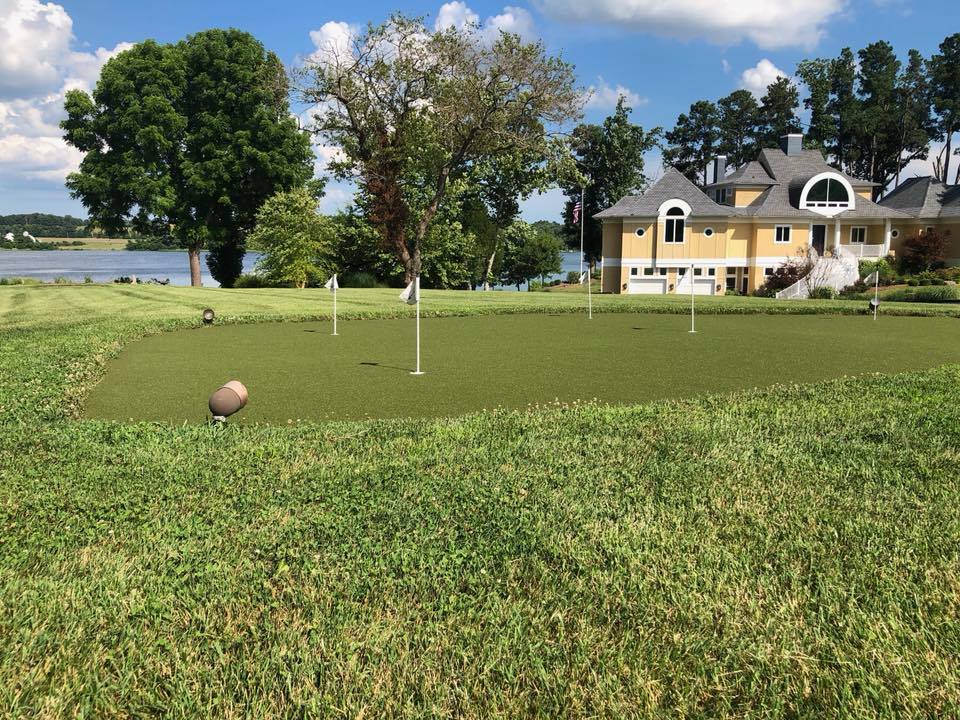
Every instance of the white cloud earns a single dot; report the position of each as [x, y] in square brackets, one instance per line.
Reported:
[604, 96]
[784, 23]
[758, 78]
[725, 65]
[514, 20]
[332, 40]
[458, 15]
[455, 15]
[37, 67]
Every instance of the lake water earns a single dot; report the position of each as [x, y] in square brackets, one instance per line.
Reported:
[107, 265]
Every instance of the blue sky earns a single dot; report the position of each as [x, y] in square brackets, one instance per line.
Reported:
[662, 55]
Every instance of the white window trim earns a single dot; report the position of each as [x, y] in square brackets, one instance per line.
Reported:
[853, 231]
[789, 239]
[826, 208]
[683, 235]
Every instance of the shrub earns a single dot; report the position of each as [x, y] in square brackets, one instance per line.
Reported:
[19, 281]
[930, 294]
[790, 272]
[882, 266]
[924, 251]
[359, 280]
[573, 277]
[823, 293]
[87, 280]
[61, 281]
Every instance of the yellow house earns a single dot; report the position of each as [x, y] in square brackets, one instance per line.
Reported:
[732, 234]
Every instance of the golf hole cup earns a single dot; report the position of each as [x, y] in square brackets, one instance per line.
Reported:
[209, 316]
[228, 400]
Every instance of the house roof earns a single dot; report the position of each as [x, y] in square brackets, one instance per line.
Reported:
[785, 177]
[925, 197]
[753, 173]
[672, 186]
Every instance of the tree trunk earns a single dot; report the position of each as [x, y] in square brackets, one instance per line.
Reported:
[489, 271]
[946, 158]
[193, 254]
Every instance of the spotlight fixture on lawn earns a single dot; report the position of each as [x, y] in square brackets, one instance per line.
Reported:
[228, 400]
[209, 316]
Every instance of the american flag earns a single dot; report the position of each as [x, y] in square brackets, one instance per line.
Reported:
[576, 212]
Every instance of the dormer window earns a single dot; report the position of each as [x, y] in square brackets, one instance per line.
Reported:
[827, 194]
[674, 226]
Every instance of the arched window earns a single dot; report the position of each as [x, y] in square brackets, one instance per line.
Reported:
[827, 194]
[673, 226]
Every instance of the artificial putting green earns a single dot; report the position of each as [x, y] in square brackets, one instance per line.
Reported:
[299, 372]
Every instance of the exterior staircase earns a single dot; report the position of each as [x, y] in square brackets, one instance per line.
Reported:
[837, 272]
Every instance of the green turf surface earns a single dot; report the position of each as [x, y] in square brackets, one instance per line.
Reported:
[298, 371]
[783, 553]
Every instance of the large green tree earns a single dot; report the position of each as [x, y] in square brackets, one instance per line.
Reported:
[293, 239]
[188, 139]
[816, 76]
[877, 138]
[844, 109]
[739, 121]
[413, 110]
[914, 121]
[778, 112]
[945, 92]
[609, 164]
[692, 143]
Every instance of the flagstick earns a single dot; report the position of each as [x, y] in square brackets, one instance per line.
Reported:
[418, 372]
[583, 194]
[693, 309]
[583, 210]
[335, 311]
[876, 296]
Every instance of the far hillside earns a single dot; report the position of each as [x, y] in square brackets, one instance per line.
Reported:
[41, 225]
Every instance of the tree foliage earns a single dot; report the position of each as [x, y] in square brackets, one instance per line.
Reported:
[945, 96]
[924, 250]
[187, 139]
[530, 254]
[693, 141]
[609, 164]
[292, 238]
[413, 110]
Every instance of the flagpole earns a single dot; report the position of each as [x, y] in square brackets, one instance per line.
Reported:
[335, 305]
[583, 193]
[876, 296]
[418, 372]
[693, 308]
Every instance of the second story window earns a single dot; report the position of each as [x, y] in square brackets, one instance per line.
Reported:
[674, 226]
[783, 235]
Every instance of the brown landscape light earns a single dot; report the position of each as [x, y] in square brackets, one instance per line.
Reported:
[209, 316]
[228, 400]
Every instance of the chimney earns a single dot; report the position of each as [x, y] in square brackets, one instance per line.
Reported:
[719, 168]
[792, 144]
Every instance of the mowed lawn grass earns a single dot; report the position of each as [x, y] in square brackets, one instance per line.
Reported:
[299, 371]
[790, 552]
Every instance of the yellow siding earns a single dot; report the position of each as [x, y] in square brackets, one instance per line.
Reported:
[866, 194]
[739, 236]
[612, 248]
[766, 245]
[743, 196]
[637, 247]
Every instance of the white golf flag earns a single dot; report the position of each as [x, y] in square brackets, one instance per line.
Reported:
[872, 278]
[332, 284]
[409, 296]
[583, 278]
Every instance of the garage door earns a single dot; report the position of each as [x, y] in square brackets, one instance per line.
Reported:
[648, 286]
[704, 286]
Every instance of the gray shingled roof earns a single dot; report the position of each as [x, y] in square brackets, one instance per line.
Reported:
[786, 176]
[753, 173]
[786, 169]
[925, 197]
[673, 185]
